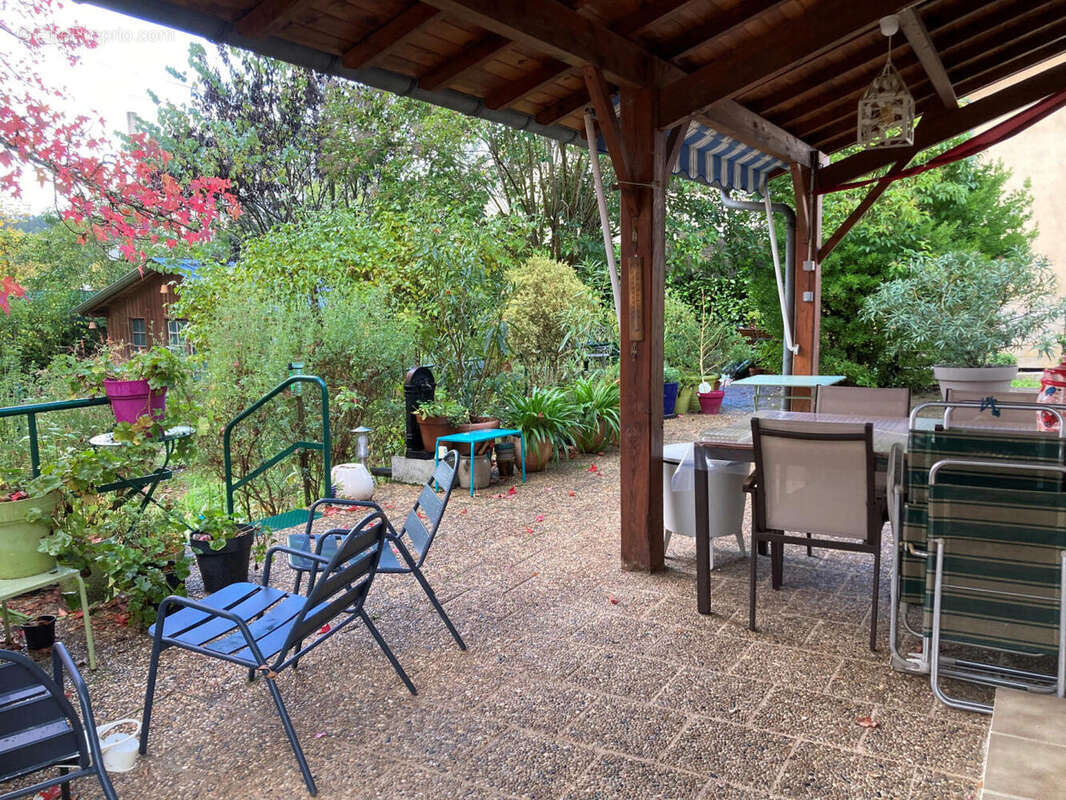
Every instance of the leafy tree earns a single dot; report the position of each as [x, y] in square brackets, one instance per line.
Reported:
[961, 207]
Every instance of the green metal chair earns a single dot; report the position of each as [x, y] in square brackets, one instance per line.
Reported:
[13, 587]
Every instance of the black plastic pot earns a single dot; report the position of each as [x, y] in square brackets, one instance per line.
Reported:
[220, 568]
[40, 633]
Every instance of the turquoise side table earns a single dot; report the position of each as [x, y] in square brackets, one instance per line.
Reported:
[14, 587]
[473, 438]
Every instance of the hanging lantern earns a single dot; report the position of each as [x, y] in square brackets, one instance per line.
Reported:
[886, 109]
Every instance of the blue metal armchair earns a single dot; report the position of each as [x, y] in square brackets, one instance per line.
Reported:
[410, 545]
[39, 728]
[263, 629]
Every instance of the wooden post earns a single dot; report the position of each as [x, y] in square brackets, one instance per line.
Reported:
[806, 322]
[643, 212]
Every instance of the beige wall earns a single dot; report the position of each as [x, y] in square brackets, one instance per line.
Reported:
[1039, 156]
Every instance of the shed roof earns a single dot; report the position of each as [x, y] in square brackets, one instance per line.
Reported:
[185, 267]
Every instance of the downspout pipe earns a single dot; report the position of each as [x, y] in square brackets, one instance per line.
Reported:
[790, 257]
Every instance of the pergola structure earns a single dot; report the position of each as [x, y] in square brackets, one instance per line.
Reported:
[778, 78]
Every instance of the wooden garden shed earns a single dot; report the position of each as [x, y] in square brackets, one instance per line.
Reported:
[731, 92]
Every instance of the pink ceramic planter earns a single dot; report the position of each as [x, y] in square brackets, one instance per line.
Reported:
[131, 400]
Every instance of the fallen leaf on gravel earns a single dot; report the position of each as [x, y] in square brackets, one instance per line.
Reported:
[868, 722]
[512, 492]
[612, 599]
[540, 518]
[572, 494]
[593, 468]
[324, 629]
[389, 506]
[320, 735]
[462, 511]
[529, 530]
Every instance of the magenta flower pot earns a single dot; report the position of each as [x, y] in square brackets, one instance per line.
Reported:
[131, 400]
[711, 402]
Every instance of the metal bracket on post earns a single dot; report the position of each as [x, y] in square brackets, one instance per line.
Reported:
[808, 297]
[810, 266]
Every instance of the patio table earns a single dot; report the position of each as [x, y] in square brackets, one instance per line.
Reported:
[787, 382]
[473, 438]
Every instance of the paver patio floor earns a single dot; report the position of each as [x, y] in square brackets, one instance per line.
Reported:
[581, 681]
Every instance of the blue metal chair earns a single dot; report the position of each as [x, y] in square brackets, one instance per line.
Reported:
[263, 629]
[409, 546]
[39, 728]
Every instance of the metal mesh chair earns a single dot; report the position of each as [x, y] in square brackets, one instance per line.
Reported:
[39, 728]
[817, 478]
[263, 629]
[409, 546]
[867, 401]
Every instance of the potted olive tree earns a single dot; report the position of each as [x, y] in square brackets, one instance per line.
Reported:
[962, 313]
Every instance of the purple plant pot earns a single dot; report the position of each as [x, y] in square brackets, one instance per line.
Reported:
[131, 400]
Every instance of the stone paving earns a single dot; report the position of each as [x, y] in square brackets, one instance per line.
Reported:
[581, 680]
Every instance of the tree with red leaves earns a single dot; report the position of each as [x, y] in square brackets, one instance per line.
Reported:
[123, 197]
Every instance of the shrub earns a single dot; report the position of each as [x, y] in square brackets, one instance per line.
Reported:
[681, 338]
[597, 401]
[544, 415]
[550, 316]
[964, 309]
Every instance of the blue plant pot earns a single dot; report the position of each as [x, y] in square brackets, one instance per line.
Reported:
[669, 399]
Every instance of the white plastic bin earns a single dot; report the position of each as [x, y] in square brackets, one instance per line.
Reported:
[725, 495]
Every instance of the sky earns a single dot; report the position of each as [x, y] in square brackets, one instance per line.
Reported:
[112, 79]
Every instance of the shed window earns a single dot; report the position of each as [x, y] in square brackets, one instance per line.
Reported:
[176, 333]
[138, 333]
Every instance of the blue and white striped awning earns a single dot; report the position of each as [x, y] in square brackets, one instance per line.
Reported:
[719, 160]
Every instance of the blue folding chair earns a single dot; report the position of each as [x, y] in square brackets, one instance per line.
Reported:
[39, 728]
[263, 629]
[410, 545]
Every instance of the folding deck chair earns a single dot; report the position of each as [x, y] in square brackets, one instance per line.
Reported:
[409, 547]
[980, 526]
[263, 629]
[39, 728]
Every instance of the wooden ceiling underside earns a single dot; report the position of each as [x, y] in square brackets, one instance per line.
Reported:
[800, 65]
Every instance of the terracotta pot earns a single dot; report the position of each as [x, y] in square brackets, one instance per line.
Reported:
[432, 428]
[479, 424]
[537, 456]
[592, 442]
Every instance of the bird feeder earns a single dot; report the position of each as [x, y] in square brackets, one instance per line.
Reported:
[886, 109]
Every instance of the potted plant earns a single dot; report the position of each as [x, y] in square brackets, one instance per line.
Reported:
[136, 386]
[547, 418]
[962, 313]
[25, 520]
[441, 416]
[223, 548]
[598, 412]
[719, 344]
[671, 376]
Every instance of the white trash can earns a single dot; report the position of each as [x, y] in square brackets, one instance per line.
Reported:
[725, 496]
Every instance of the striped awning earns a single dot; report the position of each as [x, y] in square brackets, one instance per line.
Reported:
[719, 160]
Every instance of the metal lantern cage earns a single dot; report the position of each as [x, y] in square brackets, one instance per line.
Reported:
[886, 112]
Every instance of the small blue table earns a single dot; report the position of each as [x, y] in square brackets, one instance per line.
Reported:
[476, 437]
[788, 382]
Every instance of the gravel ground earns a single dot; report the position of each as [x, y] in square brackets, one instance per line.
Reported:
[581, 680]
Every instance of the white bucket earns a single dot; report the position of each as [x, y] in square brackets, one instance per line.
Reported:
[119, 749]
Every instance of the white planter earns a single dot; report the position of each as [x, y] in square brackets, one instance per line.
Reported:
[482, 471]
[353, 482]
[975, 379]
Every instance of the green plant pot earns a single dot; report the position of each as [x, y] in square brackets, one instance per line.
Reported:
[684, 399]
[20, 539]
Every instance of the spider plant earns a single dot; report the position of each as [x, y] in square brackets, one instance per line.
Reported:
[598, 411]
[547, 418]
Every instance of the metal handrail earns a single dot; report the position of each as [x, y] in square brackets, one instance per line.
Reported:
[323, 446]
[950, 404]
[31, 410]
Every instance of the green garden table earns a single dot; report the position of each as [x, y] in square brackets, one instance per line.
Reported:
[144, 485]
[473, 438]
[788, 382]
[13, 587]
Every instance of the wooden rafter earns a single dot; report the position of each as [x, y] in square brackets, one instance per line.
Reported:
[720, 25]
[600, 97]
[515, 91]
[922, 44]
[268, 17]
[647, 15]
[864, 206]
[392, 33]
[768, 55]
[733, 119]
[454, 68]
[559, 31]
[947, 124]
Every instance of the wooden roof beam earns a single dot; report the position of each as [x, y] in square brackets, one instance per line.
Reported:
[551, 27]
[722, 24]
[268, 17]
[647, 15]
[473, 57]
[922, 45]
[944, 125]
[766, 56]
[392, 33]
